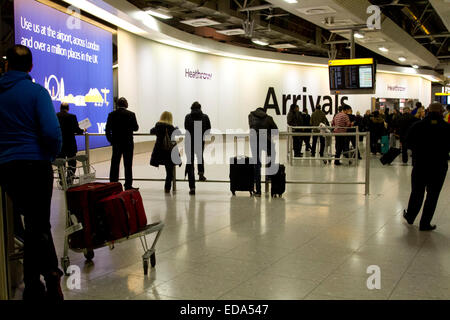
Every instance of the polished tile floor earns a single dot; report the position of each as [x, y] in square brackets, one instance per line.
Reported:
[314, 243]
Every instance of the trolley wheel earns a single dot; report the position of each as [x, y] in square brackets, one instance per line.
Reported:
[153, 260]
[145, 263]
[65, 263]
[89, 254]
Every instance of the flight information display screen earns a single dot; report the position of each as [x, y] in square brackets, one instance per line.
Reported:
[352, 74]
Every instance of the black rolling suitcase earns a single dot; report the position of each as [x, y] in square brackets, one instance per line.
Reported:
[242, 175]
[278, 182]
[390, 156]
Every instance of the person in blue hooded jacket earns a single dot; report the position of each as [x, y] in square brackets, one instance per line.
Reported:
[30, 139]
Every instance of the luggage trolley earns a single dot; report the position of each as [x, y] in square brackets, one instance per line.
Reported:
[85, 174]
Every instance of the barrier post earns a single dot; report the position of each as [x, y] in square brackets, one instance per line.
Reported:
[356, 146]
[4, 279]
[86, 149]
[367, 179]
[174, 181]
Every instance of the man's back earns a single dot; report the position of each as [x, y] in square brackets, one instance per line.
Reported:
[29, 129]
[341, 120]
[69, 127]
[429, 140]
[120, 126]
[196, 115]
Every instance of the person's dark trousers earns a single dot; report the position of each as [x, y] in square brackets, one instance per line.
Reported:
[169, 176]
[431, 180]
[297, 145]
[258, 176]
[72, 165]
[314, 144]
[191, 154]
[30, 184]
[341, 145]
[119, 150]
[374, 145]
[404, 151]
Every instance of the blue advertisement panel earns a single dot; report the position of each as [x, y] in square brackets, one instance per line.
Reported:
[72, 59]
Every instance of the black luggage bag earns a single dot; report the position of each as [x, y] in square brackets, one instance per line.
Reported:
[242, 175]
[390, 156]
[278, 182]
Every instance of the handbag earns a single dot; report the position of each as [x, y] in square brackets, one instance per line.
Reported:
[167, 143]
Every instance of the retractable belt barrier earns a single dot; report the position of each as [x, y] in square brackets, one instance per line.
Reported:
[289, 134]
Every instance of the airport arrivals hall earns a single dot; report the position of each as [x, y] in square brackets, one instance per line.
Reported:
[226, 150]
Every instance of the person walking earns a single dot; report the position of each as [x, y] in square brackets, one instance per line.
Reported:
[295, 119]
[429, 140]
[405, 122]
[69, 128]
[163, 153]
[30, 139]
[119, 130]
[262, 124]
[318, 117]
[342, 121]
[195, 145]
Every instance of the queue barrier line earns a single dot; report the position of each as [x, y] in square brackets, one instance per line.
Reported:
[288, 134]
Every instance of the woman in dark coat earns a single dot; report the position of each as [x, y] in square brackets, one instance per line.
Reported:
[161, 155]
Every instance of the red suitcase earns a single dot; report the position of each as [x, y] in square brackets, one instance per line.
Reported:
[124, 214]
[116, 210]
[137, 218]
[81, 201]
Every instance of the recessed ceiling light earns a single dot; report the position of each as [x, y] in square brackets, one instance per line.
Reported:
[358, 35]
[158, 14]
[260, 42]
[291, 1]
[402, 59]
[415, 66]
[383, 49]
[231, 32]
[202, 22]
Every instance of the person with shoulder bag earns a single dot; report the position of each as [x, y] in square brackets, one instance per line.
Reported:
[165, 151]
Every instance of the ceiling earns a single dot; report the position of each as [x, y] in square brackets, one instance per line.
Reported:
[416, 30]
[411, 29]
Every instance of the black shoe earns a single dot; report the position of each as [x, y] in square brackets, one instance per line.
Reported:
[192, 192]
[337, 163]
[431, 227]
[131, 188]
[201, 178]
[325, 162]
[405, 215]
[167, 190]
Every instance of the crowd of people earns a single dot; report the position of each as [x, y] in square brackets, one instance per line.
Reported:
[32, 136]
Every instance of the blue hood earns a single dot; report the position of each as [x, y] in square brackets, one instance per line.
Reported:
[11, 78]
[29, 129]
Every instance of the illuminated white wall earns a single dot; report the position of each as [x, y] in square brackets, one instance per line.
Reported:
[152, 78]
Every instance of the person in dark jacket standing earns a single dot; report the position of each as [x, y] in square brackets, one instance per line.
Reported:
[405, 122]
[318, 117]
[196, 144]
[119, 130]
[163, 154]
[295, 119]
[30, 139]
[263, 125]
[69, 128]
[377, 129]
[429, 140]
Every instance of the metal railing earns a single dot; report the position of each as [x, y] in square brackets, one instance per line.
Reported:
[289, 136]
